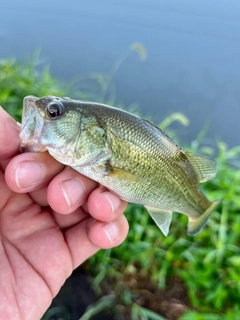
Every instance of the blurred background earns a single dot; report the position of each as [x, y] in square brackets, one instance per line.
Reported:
[193, 52]
[156, 58]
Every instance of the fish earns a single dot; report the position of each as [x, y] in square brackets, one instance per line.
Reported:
[128, 155]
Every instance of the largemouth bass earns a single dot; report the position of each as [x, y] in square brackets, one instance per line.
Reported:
[127, 154]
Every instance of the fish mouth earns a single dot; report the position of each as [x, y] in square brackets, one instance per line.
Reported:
[32, 124]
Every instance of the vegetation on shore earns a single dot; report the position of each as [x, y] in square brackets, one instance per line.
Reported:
[206, 266]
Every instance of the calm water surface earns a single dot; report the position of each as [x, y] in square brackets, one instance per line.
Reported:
[193, 63]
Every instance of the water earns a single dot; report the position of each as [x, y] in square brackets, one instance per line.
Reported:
[193, 63]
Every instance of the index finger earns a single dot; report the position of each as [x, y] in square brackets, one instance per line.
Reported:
[9, 136]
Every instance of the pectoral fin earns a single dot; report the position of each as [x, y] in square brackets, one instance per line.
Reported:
[124, 175]
[161, 217]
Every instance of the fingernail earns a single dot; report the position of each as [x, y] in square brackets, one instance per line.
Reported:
[73, 191]
[28, 174]
[111, 231]
[113, 200]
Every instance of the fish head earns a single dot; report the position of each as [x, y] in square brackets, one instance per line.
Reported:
[50, 123]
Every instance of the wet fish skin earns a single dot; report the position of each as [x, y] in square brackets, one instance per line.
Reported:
[129, 155]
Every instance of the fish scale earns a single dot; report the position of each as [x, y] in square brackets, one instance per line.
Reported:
[155, 185]
[127, 154]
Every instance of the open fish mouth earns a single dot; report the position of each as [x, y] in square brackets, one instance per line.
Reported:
[32, 124]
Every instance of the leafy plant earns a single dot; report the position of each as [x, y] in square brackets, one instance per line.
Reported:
[207, 264]
[19, 79]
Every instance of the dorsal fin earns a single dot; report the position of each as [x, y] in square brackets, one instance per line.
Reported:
[204, 167]
[159, 129]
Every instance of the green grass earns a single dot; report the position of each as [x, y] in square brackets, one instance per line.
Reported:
[208, 264]
[19, 79]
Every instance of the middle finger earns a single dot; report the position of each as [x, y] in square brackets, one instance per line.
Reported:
[69, 190]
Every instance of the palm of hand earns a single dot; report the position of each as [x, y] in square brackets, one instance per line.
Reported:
[43, 237]
[35, 256]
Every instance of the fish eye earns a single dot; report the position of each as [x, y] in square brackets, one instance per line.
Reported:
[54, 110]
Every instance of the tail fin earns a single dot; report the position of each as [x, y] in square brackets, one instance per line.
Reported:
[196, 224]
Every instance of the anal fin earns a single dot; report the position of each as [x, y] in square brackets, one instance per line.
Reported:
[161, 217]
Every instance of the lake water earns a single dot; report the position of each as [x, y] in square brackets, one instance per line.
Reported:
[193, 62]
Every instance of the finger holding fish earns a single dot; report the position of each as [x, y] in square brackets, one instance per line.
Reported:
[29, 172]
[51, 183]
[69, 190]
[94, 235]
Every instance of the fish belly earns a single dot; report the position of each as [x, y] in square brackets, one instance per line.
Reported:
[162, 195]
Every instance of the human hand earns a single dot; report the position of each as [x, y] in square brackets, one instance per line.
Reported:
[51, 220]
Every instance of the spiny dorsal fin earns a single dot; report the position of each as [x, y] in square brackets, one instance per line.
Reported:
[204, 167]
